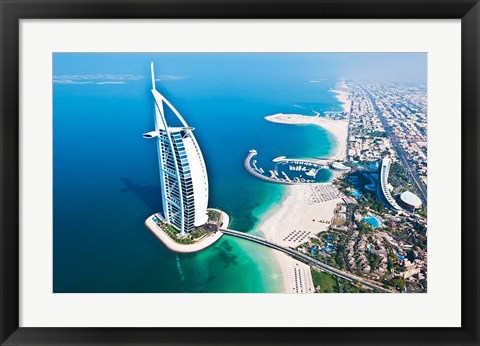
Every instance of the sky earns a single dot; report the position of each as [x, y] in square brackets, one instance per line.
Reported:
[388, 67]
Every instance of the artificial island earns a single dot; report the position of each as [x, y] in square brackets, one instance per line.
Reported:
[186, 224]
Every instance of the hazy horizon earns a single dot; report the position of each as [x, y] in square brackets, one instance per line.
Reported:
[382, 67]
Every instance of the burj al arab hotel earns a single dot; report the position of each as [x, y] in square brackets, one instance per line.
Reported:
[183, 176]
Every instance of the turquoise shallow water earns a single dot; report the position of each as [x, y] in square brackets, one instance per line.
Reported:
[106, 174]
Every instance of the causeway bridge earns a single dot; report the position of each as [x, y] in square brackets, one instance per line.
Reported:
[306, 259]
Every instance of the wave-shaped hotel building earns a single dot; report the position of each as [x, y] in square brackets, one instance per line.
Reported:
[383, 186]
[183, 175]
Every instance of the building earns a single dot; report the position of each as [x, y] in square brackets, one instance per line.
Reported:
[410, 200]
[340, 167]
[384, 186]
[183, 175]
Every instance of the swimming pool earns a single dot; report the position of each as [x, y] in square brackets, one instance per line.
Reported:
[373, 221]
[356, 194]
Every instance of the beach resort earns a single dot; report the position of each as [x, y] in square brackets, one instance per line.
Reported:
[334, 222]
[321, 231]
[240, 173]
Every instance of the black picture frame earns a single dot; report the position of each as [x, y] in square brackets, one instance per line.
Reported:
[12, 11]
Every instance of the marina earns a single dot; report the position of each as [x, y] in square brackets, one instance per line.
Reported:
[286, 171]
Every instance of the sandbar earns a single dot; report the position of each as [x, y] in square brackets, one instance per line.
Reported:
[338, 128]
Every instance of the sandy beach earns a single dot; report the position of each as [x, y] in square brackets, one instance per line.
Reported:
[301, 214]
[305, 210]
[338, 128]
[341, 89]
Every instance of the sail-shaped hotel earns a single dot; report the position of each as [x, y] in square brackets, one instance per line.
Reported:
[183, 176]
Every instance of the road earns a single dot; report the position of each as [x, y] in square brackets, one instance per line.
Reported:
[307, 259]
[417, 184]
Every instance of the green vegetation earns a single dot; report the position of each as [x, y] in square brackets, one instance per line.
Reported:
[214, 216]
[423, 282]
[184, 241]
[398, 177]
[198, 232]
[364, 227]
[420, 238]
[413, 232]
[373, 260]
[392, 260]
[172, 232]
[422, 212]
[348, 287]
[334, 255]
[397, 282]
[325, 283]
[340, 257]
[370, 201]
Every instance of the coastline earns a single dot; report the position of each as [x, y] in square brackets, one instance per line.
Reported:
[338, 128]
[341, 89]
[290, 223]
[299, 215]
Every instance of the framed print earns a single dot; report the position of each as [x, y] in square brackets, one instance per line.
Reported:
[239, 173]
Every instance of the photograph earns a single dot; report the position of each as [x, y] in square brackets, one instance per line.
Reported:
[240, 172]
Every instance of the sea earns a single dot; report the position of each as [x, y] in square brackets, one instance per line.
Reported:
[106, 179]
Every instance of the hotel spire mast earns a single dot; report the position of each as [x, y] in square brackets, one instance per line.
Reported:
[183, 176]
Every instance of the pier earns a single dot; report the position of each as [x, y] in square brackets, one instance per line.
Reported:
[246, 164]
[274, 177]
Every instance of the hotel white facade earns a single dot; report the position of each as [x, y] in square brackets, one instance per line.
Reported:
[384, 186]
[183, 176]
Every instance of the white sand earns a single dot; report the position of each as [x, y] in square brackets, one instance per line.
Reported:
[338, 128]
[292, 223]
[343, 94]
[288, 266]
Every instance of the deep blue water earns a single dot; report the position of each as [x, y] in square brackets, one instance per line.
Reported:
[106, 176]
